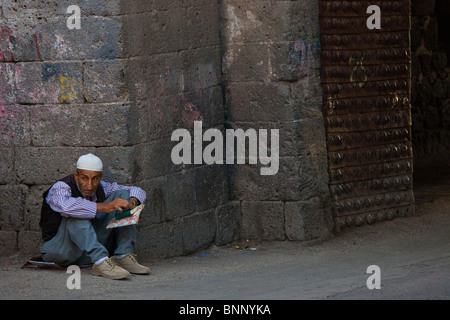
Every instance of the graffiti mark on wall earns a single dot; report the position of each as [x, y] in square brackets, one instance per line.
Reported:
[36, 44]
[67, 88]
[305, 57]
[6, 44]
[9, 42]
[304, 51]
[61, 47]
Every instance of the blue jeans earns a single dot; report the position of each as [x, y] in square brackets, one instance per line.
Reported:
[84, 241]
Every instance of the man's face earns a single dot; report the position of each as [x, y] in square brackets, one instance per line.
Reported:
[88, 181]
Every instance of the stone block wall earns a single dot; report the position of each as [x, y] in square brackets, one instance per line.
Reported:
[430, 77]
[135, 72]
[55, 106]
[117, 87]
[270, 65]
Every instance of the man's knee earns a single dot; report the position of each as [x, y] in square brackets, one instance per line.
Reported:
[74, 225]
[119, 194]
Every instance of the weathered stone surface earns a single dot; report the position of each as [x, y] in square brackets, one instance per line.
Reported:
[160, 241]
[179, 194]
[246, 62]
[41, 9]
[156, 204]
[8, 242]
[7, 174]
[263, 219]
[12, 206]
[306, 220]
[29, 242]
[14, 126]
[298, 178]
[210, 187]
[253, 102]
[118, 163]
[228, 223]
[33, 207]
[8, 74]
[199, 231]
[52, 40]
[104, 81]
[49, 82]
[134, 73]
[45, 165]
[80, 125]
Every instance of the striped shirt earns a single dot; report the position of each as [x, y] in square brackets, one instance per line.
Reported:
[60, 199]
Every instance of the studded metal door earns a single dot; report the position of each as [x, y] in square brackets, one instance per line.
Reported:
[365, 78]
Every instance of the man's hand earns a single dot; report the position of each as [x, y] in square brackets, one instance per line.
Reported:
[117, 204]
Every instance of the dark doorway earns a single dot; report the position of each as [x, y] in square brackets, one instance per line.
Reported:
[430, 39]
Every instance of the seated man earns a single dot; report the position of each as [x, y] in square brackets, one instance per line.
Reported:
[75, 213]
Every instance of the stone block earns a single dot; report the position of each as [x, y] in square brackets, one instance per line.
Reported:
[263, 220]
[160, 241]
[118, 163]
[7, 173]
[29, 242]
[154, 160]
[104, 81]
[306, 220]
[166, 114]
[44, 9]
[246, 62]
[155, 204]
[228, 223]
[156, 32]
[15, 126]
[180, 194]
[45, 165]
[81, 125]
[295, 137]
[306, 98]
[261, 21]
[8, 243]
[12, 206]
[8, 77]
[210, 186]
[293, 60]
[98, 38]
[199, 231]
[203, 25]
[298, 178]
[200, 69]
[49, 82]
[253, 102]
[33, 207]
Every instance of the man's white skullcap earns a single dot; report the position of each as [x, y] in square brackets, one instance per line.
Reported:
[90, 162]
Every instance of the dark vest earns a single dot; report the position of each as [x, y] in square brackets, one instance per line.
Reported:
[50, 219]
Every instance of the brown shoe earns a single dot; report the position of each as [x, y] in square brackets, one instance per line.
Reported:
[130, 263]
[110, 270]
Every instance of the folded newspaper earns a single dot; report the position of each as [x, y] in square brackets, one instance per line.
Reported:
[133, 218]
